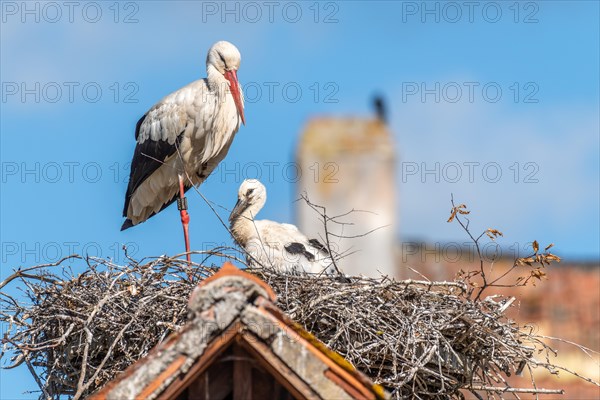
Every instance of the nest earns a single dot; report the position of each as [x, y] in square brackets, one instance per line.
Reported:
[418, 339]
[75, 332]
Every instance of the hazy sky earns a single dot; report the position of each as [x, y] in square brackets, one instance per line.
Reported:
[499, 101]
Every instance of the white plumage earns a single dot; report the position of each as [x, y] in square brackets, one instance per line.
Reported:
[186, 134]
[281, 247]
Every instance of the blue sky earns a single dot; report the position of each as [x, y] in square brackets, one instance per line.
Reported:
[75, 81]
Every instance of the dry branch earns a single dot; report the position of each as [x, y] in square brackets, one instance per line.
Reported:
[420, 339]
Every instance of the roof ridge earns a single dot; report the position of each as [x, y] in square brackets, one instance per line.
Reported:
[230, 270]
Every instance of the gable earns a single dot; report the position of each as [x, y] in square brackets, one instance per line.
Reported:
[237, 344]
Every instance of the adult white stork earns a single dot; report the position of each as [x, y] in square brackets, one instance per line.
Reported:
[281, 247]
[183, 137]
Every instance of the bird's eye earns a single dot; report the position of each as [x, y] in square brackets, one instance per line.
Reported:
[249, 192]
[222, 59]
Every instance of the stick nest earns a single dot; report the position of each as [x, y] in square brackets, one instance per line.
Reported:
[75, 332]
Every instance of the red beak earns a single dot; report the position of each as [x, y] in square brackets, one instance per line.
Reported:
[234, 87]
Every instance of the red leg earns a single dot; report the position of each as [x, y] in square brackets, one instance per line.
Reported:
[185, 218]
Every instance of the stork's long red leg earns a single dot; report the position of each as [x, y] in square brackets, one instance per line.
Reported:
[185, 217]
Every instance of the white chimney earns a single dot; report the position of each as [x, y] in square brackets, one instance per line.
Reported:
[346, 164]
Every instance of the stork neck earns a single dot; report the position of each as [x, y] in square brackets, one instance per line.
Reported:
[216, 81]
[243, 226]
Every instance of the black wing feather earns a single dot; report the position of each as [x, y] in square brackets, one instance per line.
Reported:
[128, 224]
[138, 126]
[147, 158]
[298, 248]
[318, 245]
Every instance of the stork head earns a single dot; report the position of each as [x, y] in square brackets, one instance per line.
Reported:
[225, 58]
[252, 196]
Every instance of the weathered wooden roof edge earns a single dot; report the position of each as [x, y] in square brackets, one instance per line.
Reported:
[224, 306]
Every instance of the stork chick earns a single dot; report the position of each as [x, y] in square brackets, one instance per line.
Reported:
[281, 247]
[183, 137]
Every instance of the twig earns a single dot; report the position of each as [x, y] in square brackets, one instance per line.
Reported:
[515, 390]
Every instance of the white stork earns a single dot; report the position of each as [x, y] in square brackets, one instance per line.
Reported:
[281, 247]
[183, 137]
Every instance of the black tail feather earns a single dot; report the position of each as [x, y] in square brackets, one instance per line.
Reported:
[127, 224]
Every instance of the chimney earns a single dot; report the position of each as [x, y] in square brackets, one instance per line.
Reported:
[346, 164]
